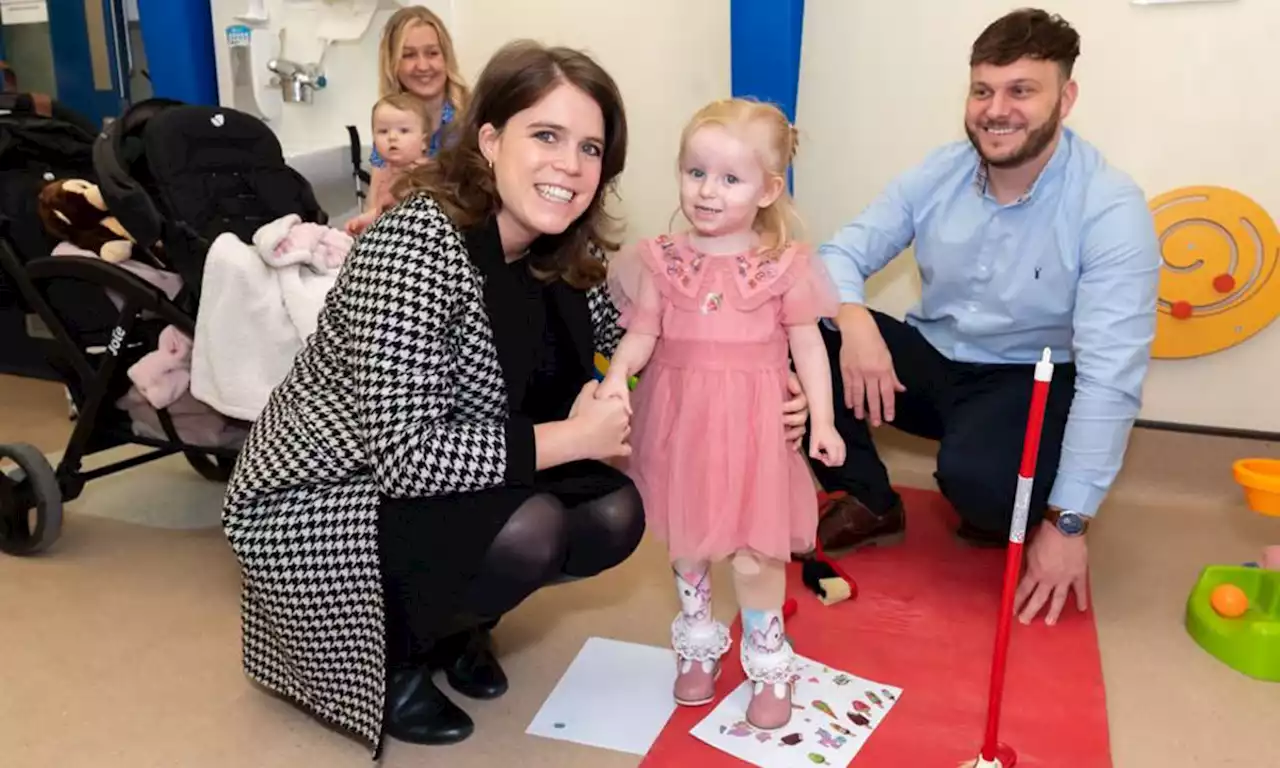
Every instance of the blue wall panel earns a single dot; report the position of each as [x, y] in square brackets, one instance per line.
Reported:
[764, 43]
[178, 35]
[73, 62]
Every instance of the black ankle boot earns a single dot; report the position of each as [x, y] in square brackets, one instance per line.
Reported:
[476, 672]
[418, 713]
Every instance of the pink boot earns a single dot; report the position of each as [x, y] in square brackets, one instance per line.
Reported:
[696, 681]
[699, 640]
[769, 663]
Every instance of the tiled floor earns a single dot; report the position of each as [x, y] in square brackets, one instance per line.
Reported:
[120, 647]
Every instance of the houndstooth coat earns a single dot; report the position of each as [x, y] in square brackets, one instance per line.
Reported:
[398, 392]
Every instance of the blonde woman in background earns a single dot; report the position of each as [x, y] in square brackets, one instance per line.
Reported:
[416, 56]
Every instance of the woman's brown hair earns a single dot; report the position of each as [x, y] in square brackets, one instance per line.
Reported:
[518, 76]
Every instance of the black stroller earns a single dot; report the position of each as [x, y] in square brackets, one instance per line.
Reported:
[176, 176]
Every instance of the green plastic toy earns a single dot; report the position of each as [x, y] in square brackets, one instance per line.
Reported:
[602, 367]
[1249, 644]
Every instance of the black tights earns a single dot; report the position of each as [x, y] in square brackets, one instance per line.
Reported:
[544, 540]
[578, 526]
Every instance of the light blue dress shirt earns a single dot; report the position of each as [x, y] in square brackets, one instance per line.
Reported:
[1072, 265]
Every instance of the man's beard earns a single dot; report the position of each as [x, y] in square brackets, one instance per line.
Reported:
[1036, 142]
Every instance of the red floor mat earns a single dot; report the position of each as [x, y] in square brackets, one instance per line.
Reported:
[925, 620]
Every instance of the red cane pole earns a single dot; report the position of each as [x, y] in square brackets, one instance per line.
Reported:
[993, 752]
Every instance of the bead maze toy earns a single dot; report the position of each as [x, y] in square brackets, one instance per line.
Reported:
[1233, 611]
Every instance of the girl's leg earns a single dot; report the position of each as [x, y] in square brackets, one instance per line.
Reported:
[699, 640]
[767, 658]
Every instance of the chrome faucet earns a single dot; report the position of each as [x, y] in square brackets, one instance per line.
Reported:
[297, 82]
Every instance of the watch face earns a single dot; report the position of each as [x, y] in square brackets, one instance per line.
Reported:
[1070, 523]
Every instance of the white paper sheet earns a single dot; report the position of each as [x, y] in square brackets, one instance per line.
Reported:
[614, 695]
[833, 715]
[14, 12]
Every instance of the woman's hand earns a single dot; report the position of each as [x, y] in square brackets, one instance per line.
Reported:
[615, 386]
[588, 392]
[602, 425]
[795, 412]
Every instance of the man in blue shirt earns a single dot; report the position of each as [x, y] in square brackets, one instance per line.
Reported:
[1025, 239]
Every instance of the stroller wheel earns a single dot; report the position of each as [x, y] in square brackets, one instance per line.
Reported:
[30, 501]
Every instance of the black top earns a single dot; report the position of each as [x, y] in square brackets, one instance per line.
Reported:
[518, 316]
[534, 345]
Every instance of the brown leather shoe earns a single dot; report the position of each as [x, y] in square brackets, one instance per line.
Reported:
[848, 525]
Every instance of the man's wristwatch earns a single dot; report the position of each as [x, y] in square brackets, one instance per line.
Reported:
[1067, 522]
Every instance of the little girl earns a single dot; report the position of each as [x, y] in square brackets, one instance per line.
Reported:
[712, 312]
[400, 136]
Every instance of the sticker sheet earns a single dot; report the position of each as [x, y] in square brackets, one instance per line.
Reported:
[833, 715]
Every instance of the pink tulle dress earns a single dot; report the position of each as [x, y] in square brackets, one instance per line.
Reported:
[709, 454]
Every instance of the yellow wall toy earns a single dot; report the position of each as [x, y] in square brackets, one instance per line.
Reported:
[1218, 285]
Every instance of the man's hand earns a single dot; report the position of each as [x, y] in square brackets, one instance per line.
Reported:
[795, 412]
[870, 381]
[1056, 564]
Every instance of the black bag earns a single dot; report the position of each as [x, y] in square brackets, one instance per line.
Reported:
[41, 141]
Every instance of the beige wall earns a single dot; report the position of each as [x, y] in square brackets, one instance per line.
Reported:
[1163, 94]
[351, 68]
[669, 57]
[1175, 95]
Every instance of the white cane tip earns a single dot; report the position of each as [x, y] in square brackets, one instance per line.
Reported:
[1046, 356]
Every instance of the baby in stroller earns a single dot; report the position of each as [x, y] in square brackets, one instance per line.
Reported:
[401, 137]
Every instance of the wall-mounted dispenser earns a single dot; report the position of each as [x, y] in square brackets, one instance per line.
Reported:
[251, 88]
[257, 13]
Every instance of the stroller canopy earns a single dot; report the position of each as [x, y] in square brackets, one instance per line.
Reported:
[177, 176]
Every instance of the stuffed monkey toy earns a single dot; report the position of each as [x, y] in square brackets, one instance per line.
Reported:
[73, 210]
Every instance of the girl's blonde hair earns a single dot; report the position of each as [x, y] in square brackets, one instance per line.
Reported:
[455, 91]
[776, 146]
